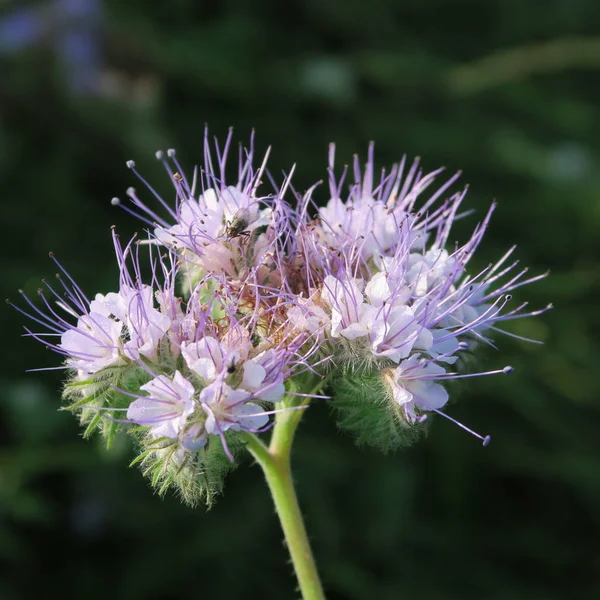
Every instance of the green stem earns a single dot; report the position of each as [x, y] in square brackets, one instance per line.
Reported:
[275, 463]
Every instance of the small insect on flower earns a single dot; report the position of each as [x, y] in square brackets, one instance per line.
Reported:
[238, 226]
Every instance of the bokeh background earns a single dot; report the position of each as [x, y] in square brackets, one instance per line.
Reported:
[506, 90]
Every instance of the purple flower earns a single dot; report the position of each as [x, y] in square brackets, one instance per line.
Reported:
[110, 330]
[166, 407]
[370, 280]
[254, 304]
[215, 227]
[228, 408]
[414, 386]
[392, 291]
[94, 343]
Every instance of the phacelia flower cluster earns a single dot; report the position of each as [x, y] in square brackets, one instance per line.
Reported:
[257, 302]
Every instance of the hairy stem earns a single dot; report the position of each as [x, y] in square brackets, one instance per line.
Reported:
[275, 463]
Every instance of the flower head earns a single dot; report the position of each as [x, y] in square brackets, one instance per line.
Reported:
[392, 297]
[254, 304]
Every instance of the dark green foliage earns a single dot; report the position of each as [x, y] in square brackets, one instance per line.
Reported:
[366, 410]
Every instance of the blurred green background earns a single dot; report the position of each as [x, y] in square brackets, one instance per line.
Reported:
[506, 90]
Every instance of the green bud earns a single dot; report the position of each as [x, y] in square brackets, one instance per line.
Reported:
[93, 397]
[367, 410]
[197, 476]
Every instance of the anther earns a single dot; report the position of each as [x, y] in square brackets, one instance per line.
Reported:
[508, 369]
[171, 152]
[486, 440]
[159, 154]
[115, 201]
[130, 164]
[422, 419]
[508, 297]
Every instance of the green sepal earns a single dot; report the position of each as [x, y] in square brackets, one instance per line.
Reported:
[198, 477]
[93, 398]
[92, 424]
[367, 410]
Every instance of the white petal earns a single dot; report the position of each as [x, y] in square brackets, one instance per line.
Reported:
[273, 394]
[424, 340]
[432, 395]
[251, 416]
[254, 375]
[204, 357]
[194, 438]
[162, 418]
[94, 344]
[378, 289]
[354, 331]
[402, 395]
[184, 387]
[205, 368]
[209, 199]
[447, 346]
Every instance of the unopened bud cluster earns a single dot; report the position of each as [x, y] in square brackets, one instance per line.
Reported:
[257, 301]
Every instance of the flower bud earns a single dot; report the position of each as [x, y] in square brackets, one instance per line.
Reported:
[367, 410]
